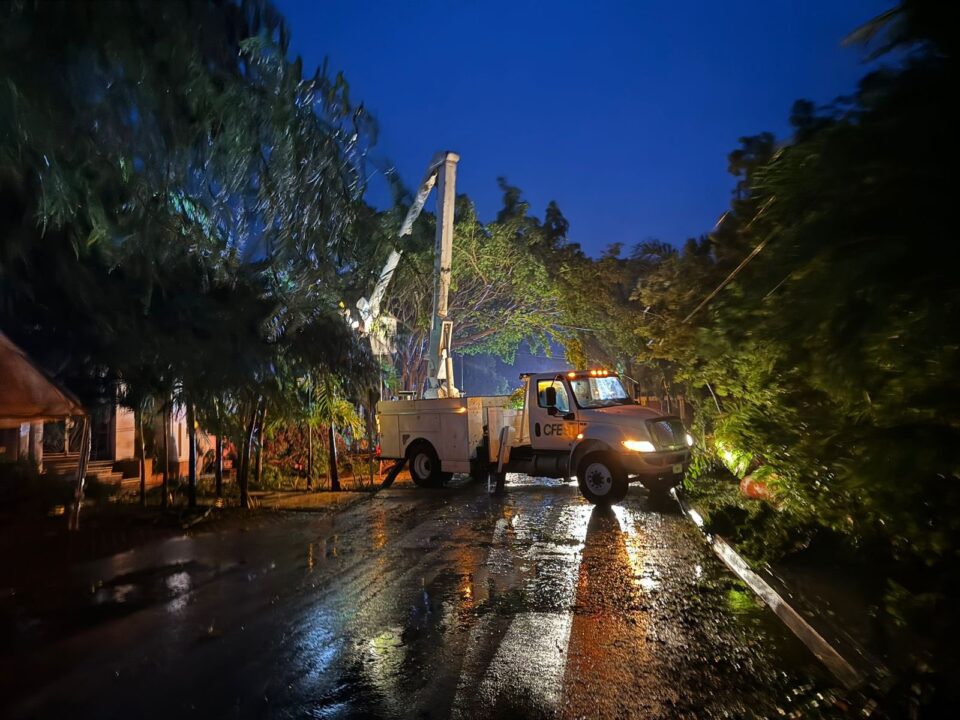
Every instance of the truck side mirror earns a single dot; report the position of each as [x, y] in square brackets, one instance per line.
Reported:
[550, 396]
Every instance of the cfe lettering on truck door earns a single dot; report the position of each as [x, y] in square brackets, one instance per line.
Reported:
[552, 427]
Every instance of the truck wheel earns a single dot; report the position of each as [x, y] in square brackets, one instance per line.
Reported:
[601, 479]
[425, 466]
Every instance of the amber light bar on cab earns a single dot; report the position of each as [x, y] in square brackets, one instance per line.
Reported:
[589, 373]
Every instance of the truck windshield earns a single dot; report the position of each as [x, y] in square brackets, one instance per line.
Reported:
[595, 392]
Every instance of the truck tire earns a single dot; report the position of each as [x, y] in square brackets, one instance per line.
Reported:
[425, 466]
[601, 479]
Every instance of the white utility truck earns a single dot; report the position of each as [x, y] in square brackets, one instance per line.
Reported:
[579, 423]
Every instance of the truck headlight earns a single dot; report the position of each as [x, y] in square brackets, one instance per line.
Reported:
[639, 445]
[689, 440]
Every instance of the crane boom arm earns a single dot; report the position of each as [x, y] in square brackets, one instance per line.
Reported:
[439, 360]
[370, 309]
[441, 172]
[420, 199]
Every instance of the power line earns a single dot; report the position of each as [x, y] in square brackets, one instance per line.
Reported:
[756, 251]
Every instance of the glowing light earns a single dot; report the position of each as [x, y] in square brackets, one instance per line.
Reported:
[689, 439]
[579, 436]
[571, 374]
[695, 516]
[639, 445]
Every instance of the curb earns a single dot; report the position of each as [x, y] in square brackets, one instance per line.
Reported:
[290, 505]
[841, 668]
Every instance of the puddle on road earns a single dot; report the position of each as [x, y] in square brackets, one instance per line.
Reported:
[147, 587]
[35, 616]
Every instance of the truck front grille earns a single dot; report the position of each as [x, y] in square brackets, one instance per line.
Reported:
[667, 459]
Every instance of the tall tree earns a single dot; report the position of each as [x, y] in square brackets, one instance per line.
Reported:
[500, 292]
[176, 200]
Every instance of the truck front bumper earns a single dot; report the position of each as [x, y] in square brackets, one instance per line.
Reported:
[656, 464]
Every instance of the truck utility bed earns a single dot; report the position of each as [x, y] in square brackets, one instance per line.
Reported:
[454, 426]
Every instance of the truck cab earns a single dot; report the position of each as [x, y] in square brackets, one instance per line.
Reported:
[593, 429]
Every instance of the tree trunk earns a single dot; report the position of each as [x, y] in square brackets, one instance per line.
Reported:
[73, 522]
[141, 454]
[192, 457]
[309, 456]
[242, 461]
[242, 469]
[166, 455]
[371, 436]
[334, 476]
[260, 439]
[309, 432]
[244, 474]
[218, 466]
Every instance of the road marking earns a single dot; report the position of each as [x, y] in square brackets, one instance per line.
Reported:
[530, 655]
[529, 662]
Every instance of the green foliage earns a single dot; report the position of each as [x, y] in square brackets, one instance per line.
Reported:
[827, 360]
[330, 407]
[816, 331]
[177, 205]
[501, 293]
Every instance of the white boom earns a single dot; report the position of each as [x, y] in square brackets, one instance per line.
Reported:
[439, 359]
[442, 171]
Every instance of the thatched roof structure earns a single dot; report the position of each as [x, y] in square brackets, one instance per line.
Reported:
[27, 394]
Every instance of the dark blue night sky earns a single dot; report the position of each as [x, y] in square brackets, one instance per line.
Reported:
[622, 112]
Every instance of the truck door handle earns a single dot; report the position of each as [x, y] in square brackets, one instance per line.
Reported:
[536, 429]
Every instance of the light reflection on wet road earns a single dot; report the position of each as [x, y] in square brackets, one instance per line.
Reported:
[415, 603]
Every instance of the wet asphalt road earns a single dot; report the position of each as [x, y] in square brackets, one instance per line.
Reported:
[414, 604]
